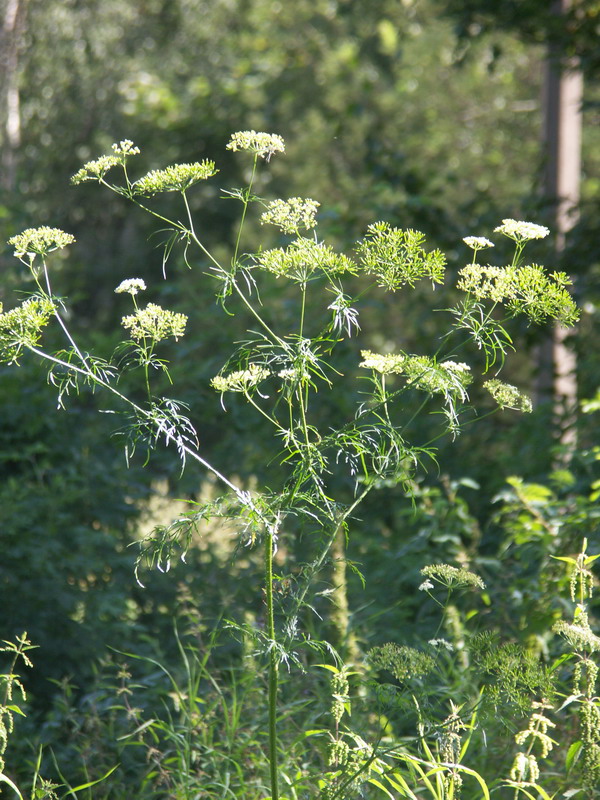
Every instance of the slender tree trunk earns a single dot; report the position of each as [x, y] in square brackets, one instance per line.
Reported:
[13, 22]
[562, 145]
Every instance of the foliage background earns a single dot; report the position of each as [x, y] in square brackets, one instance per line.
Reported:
[426, 113]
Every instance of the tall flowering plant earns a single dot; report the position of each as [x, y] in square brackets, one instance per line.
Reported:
[278, 372]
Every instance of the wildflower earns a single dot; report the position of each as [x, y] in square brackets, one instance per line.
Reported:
[452, 576]
[261, 144]
[385, 364]
[176, 178]
[439, 642]
[396, 257]
[240, 380]
[291, 215]
[125, 148]
[95, 170]
[40, 241]
[302, 258]
[508, 396]
[21, 327]
[289, 374]
[402, 661]
[448, 378]
[525, 768]
[132, 286]
[155, 323]
[524, 289]
[426, 586]
[579, 636]
[477, 242]
[455, 366]
[537, 730]
[521, 231]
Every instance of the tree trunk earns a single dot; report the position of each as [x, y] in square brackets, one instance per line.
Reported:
[13, 23]
[562, 145]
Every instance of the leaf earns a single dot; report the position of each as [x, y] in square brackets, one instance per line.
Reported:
[314, 732]
[566, 559]
[574, 698]
[5, 779]
[560, 661]
[94, 783]
[379, 785]
[573, 755]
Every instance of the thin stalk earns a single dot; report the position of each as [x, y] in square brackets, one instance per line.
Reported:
[234, 283]
[243, 218]
[273, 665]
[60, 319]
[299, 599]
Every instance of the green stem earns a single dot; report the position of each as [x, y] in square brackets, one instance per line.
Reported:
[273, 664]
[244, 210]
[234, 283]
[316, 566]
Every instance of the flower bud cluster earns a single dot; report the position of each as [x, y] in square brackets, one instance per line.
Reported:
[302, 258]
[452, 577]
[521, 231]
[131, 286]
[448, 377]
[508, 396]
[154, 322]
[477, 242]
[95, 170]
[524, 289]
[22, 326]
[176, 178]
[261, 144]
[40, 241]
[291, 215]
[240, 380]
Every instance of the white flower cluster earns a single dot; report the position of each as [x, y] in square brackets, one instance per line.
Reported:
[449, 576]
[240, 380]
[261, 144]
[448, 377]
[525, 289]
[154, 322]
[22, 326]
[508, 396]
[525, 769]
[132, 286]
[125, 148]
[455, 366]
[521, 231]
[385, 364]
[440, 642]
[477, 242]
[39, 241]
[580, 637]
[291, 215]
[97, 169]
[291, 374]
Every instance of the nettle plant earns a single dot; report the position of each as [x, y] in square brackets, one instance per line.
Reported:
[279, 372]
